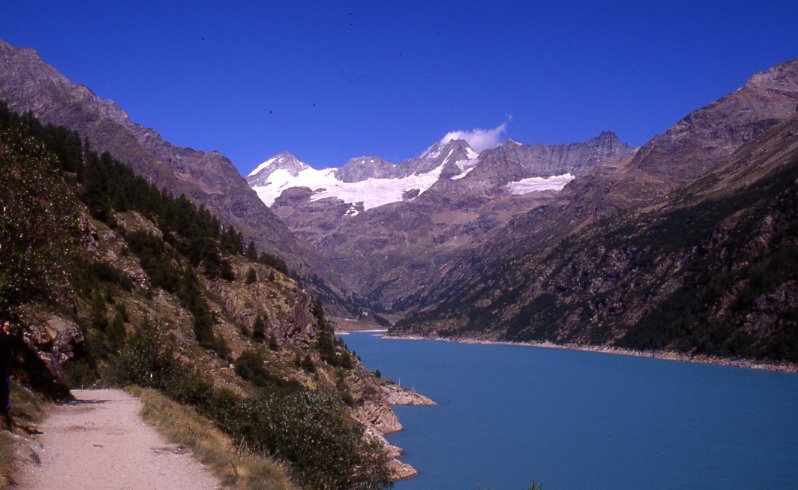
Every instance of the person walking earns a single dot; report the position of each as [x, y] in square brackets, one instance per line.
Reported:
[6, 354]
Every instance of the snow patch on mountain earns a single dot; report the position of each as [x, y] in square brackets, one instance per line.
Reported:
[371, 192]
[262, 166]
[466, 166]
[284, 160]
[534, 184]
[387, 184]
[378, 192]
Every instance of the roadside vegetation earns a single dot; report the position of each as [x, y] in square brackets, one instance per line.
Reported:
[170, 334]
[236, 466]
[306, 429]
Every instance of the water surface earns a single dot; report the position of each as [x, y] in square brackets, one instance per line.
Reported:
[579, 420]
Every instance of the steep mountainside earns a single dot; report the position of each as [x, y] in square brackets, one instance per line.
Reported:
[109, 278]
[29, 84]
[391, 231]
[633, 257]
[701, 141]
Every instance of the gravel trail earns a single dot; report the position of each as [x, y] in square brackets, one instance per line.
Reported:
[101, 442]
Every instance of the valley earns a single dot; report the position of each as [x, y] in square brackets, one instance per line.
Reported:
[635, 248]
[127, 260]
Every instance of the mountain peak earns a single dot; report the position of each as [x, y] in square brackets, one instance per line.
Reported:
[366, 167]
[783, 77]
[704, 138]
[281, 161]
[442, 147]
[607, 136]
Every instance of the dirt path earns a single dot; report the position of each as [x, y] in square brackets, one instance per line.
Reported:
[101, 442]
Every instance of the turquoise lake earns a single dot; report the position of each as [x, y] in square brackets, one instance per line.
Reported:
[581, 420]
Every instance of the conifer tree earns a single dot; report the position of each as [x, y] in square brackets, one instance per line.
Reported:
[252, 253]
[258, 328]
[307, 364]
[251, 276]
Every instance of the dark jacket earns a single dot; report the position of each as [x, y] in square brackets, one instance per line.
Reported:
[6, 354]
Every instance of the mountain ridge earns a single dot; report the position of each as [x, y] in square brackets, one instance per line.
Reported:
[589, 268]
[27, 83]
[392, 253]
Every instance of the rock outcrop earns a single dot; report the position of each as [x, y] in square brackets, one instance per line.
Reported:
[374, 411]
[48, 341]
[283, 306]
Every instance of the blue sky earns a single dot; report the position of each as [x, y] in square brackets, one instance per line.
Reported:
[330, 80]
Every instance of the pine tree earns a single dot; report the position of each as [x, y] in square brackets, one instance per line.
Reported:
[228, 274]
[252, 253]
[273, 342]
[251, 276]
[258, 328]
[307, 364]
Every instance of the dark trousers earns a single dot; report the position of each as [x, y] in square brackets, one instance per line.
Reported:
[5, 391]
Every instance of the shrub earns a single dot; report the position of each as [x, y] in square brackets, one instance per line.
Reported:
[250, 366]
[251, 276]
[108, 273]
[307, 364]
[116, 331]
[40, 222]
[303, 428]
[149, 359]
[258, 328]
[273, 342]
[155, 260]
[325, 448]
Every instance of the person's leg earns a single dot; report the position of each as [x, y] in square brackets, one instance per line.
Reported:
[5, 398]
[5, 403]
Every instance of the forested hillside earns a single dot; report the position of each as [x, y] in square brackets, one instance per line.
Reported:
[111, 280]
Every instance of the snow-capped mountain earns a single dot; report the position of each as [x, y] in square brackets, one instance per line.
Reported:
[380, 223]
[370, 181]
[284, 162]
[362, 168]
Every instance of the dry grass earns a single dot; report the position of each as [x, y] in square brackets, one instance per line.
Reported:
[235, 467]
[27, 408]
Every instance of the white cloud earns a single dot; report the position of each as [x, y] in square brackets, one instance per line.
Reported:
[479, 139]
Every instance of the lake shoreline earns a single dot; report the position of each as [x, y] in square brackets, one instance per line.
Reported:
[508, 415]
[781, 367]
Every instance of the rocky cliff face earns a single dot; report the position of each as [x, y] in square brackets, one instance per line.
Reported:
[362, 168]
[705, 138]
